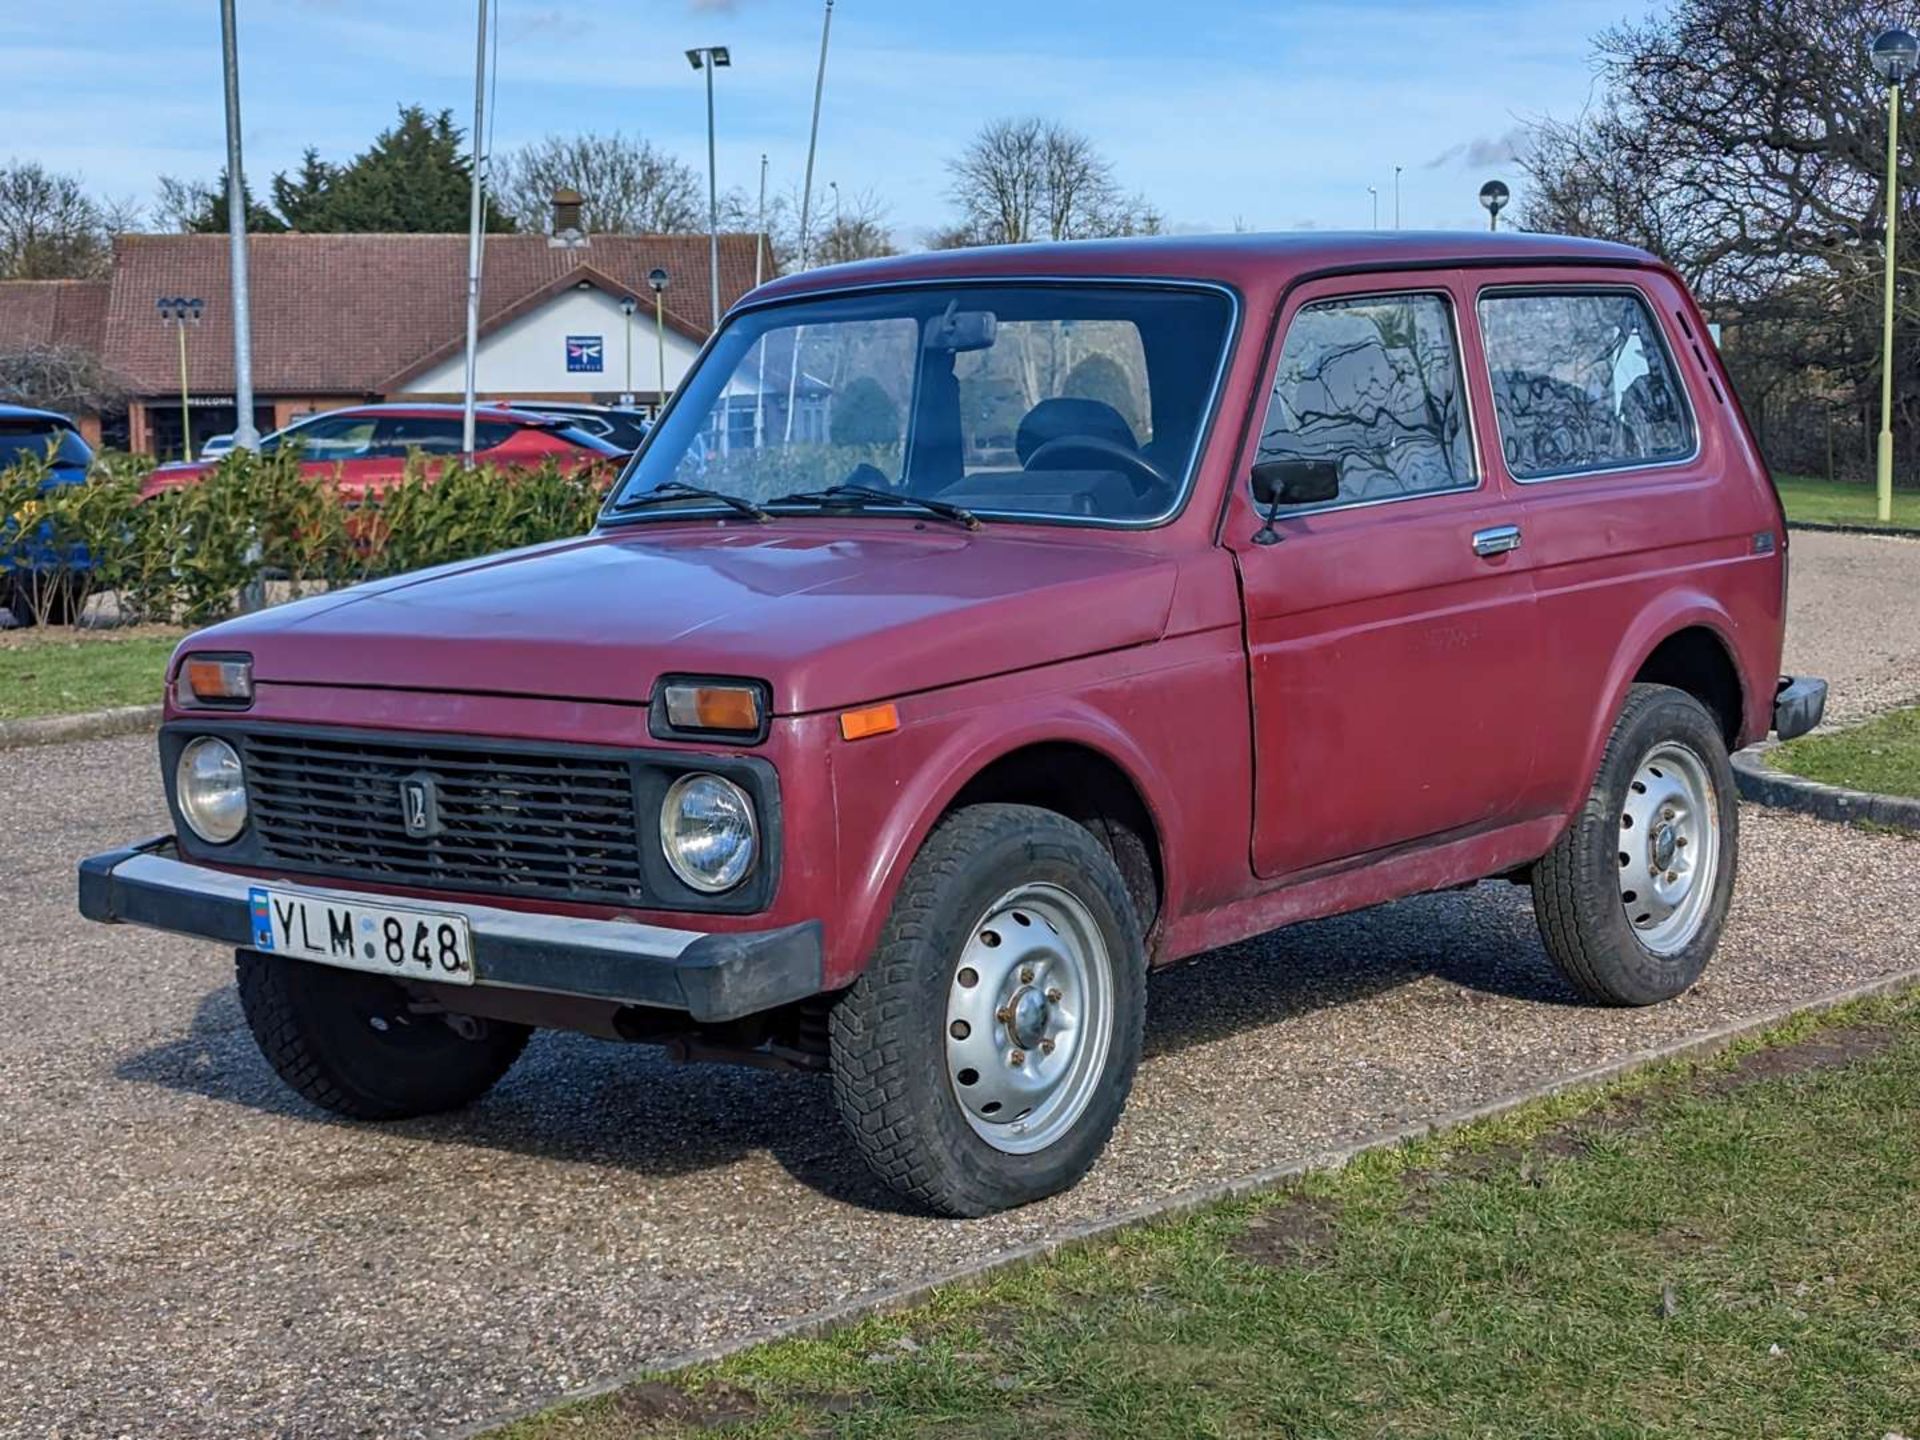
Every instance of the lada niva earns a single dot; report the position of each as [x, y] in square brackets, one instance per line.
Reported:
[980, 630]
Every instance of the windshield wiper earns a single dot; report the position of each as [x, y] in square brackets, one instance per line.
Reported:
[680, 490]
[856, 495]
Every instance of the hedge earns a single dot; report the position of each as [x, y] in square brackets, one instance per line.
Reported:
[191, 553]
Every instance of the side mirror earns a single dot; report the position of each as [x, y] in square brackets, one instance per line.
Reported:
[1296, 482]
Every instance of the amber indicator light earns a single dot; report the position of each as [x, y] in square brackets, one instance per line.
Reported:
[713, 707]
[874, 720]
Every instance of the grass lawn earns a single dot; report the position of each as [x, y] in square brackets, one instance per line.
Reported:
[1726, 1249]
[1882, 755]
[1843, 502]
[65, 671]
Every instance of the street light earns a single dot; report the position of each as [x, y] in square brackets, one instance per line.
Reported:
[1374, 192]
[627, 307]
[1895, 53]
[657, 281]
[711, 58]
[180, 312]
[1396, 197]
[1494, 195]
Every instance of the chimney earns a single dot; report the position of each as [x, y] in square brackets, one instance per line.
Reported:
[566, 219]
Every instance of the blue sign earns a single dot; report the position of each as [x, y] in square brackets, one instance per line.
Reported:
[586, 353]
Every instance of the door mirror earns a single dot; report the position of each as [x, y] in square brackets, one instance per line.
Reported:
[1296, 482]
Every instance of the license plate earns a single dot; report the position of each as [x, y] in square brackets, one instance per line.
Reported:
[359, 935]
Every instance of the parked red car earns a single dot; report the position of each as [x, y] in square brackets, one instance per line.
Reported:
[364, 448]
[978, 630]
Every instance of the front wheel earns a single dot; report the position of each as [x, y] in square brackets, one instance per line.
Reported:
[353, 1043]
[985, 1055]
[1632, 898]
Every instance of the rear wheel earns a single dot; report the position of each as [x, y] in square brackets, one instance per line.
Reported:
[353, 1043]
[1632, 898]
[983, 1058]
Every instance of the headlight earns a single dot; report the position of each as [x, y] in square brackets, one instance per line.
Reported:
[708, 831]
[210, 790]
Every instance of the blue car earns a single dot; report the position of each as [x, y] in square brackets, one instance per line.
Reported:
[27, 434]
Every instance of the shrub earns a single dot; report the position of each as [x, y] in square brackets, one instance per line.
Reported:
[193, 552]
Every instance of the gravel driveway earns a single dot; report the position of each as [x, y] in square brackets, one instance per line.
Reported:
[186, 1250]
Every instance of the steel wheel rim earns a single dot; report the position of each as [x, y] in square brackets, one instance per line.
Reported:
[1029, 1018]
[1669, 847]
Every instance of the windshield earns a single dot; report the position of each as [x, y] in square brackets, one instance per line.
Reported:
[1074, 401]
[33, 439]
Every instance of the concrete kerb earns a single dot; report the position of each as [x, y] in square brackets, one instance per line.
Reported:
[92, 725]
[1764, 785]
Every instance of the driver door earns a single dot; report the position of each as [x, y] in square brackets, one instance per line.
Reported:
[1390, 632]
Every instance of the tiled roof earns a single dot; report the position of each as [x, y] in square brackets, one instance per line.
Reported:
[53, 312]
[345, 314]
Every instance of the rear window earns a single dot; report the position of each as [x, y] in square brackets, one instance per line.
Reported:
[30, 439]
[1582, 381]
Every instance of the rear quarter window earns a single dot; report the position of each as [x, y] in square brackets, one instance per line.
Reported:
[1582, 382]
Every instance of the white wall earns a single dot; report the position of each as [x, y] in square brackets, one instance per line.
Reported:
[528, 355]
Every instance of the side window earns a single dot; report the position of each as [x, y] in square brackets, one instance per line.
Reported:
[1372, 383]
[1582, 381]
[431, 434]
[348, 437]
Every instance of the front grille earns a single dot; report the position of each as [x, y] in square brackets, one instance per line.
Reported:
[510, 822]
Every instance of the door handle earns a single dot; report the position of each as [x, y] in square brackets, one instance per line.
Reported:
[1496, 540]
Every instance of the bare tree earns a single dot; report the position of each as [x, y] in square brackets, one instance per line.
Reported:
[51, 229]
[1745, 140]
[628, 186]
[59, 377]
[858, 231]
[1034, 179]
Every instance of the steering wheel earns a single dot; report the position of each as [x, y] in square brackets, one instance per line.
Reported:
[1091, 452]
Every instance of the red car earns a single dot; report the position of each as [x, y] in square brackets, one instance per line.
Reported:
[981, 629]
[364, 448]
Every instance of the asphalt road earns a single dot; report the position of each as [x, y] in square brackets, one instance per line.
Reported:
[186, 1250]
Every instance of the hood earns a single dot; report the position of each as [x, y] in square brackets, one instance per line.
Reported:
[831, 614]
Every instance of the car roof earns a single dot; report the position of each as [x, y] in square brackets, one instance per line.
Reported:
[426, 410]
[572, 407]
[28, 412]
[1226, 259]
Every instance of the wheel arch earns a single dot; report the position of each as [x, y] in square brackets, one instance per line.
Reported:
[1076, 761]
[1686, 636]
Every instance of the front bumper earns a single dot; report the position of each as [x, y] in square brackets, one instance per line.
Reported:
[1798, 705]
[710, 975]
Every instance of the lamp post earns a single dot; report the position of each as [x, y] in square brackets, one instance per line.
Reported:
[1895, 53]
[1494, 195]
[180, 312]
[1373, 193]
[1396, 197]
[657, 281]
[245, 436]
[627, 307]
[711, 58]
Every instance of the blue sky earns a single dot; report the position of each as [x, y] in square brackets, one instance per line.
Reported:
[1276, 115]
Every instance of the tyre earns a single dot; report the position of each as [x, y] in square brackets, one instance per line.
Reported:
[350, 1042]
[1632, 898]
[983, 1058]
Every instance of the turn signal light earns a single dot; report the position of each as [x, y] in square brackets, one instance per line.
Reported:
[874, 720]
[714, 707]
[224, 681]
